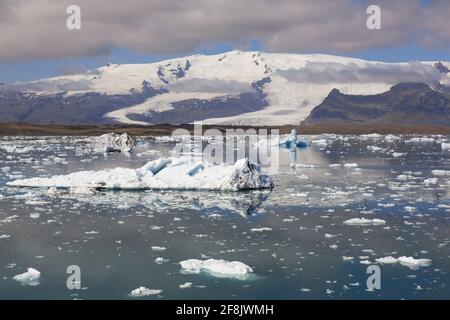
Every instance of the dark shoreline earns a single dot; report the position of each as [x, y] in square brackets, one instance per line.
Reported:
[16, 129]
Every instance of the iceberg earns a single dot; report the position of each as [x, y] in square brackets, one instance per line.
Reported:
[217, 268]
[143, 292]
[445, 146]
[290, 142]
[114, 142]
[31, 277]
[364, 222]
[162, 174]
[421, 140]
[409, 262]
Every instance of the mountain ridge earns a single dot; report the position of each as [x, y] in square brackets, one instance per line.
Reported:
[404, 103]
[231, 88]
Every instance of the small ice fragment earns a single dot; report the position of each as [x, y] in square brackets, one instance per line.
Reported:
[143, 291]
[31, 277]
[364, 222]
[445, 146]
[185, 285]
[157, 248]
[387, 260]
[260, 229]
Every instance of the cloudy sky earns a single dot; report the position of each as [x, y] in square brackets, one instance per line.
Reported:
[34, 40]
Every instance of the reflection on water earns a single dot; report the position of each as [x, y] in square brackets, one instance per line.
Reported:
[293, 236]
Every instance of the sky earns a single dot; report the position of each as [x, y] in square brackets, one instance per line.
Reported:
[35, 42]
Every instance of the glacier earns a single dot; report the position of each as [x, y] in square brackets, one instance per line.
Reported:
[180, 173]
[167, 90]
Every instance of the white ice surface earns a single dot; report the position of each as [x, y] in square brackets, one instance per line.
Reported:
[164, 173]
[31, 277]
[217, 268]
[143, 292]
[364, 222]
[409, 262]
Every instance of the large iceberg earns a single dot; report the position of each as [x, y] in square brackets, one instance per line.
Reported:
[164, 173]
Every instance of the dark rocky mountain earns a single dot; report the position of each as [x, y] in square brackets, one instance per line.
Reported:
[403, 104]
[60, 108]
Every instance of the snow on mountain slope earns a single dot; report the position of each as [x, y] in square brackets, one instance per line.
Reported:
[235, 87]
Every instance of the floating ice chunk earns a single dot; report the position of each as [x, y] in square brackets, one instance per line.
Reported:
[115, 142]
[217, 268]
[4, 236]
[290, 142]
[364, 222]
[410, 209]
[398, 154]
[371, 136]
[421, 140]
[160, 260]
[445, 146]
[185, 285]
[345, 258]
[31, 277]
[157, 248]
[431, 181]
[174, 174]
[9, 219]
[374, 148]
[351, 165]
[387, 260]
[143, 292]
[440, 172]
[391, 138]
[409, 262]
[412, 263]
[320, 142]
[260, 229]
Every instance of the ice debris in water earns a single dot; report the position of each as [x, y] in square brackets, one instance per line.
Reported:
[409, 262]
[143, 291]
[364, 222]
[114, 142]
[445, 146]
[31, 277]
[217, 268]
[170, 173]
[290, 142]
[421, 140]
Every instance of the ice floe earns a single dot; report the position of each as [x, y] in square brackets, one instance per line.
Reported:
[217, 268]
[409, 262]
[164, 173]
[31, 277]
[445, 146]
[364, 222]
[143, 292]
[114, 142]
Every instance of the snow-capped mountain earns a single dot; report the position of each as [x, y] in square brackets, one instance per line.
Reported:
[238, 88]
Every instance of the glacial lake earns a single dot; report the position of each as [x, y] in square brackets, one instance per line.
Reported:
[294, 237]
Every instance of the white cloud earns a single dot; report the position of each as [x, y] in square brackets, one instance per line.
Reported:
[328, 72]
[37, 29]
